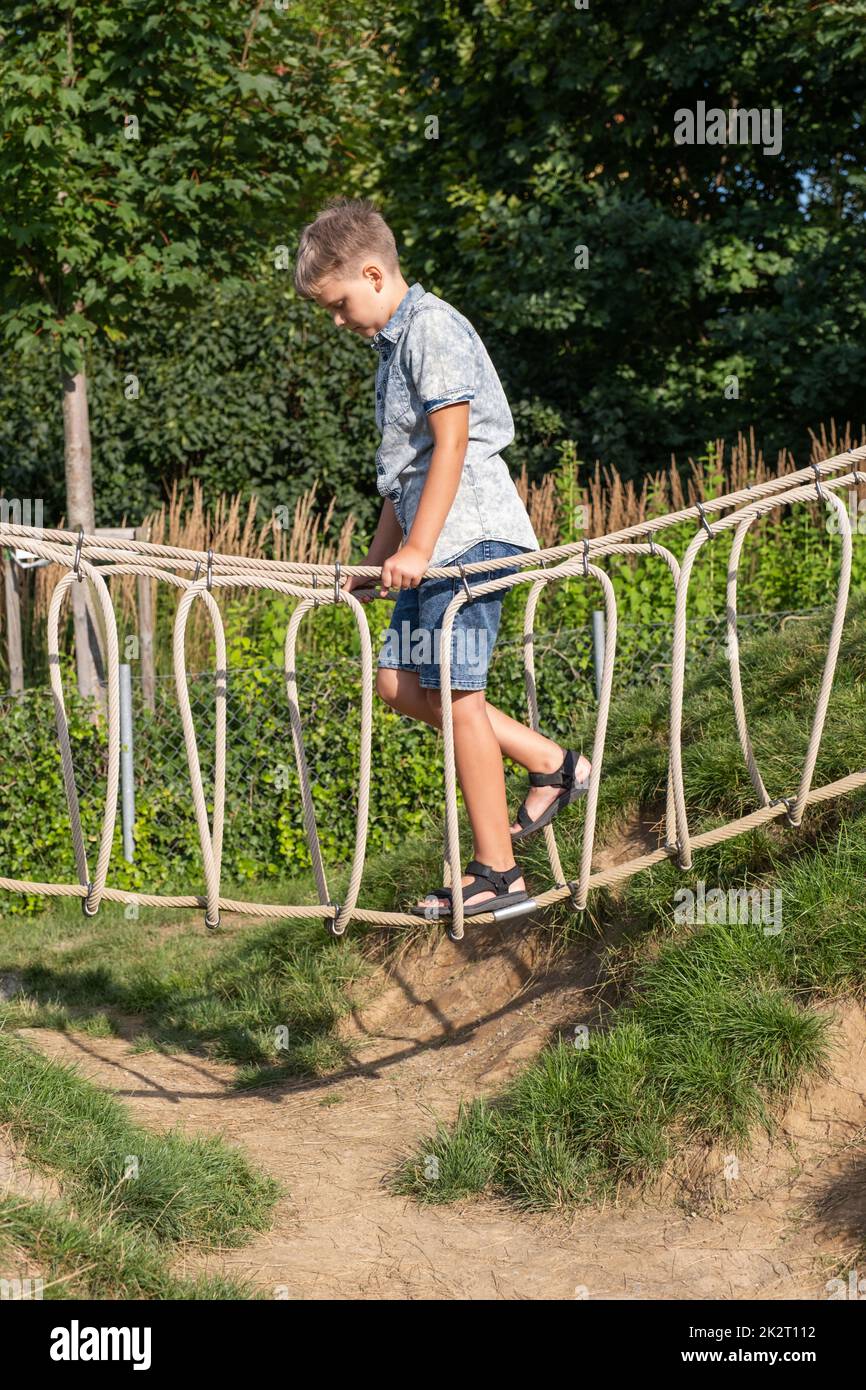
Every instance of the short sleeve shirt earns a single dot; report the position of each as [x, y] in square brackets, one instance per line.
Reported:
[431, 356]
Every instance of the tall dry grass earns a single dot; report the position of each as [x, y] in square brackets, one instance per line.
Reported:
[610, 504]
[230, 527]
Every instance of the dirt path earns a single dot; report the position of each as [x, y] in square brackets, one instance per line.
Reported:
[457, 1021]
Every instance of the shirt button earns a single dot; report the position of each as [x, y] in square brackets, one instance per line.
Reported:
[378, 395]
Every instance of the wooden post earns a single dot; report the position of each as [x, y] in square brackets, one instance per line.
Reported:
[144, 585]
[13, 623]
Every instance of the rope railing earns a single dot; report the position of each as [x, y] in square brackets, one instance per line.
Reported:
[90, 559]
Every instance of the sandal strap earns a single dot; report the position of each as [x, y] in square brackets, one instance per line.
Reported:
[563, 777]
[523, 817]
[500, 880]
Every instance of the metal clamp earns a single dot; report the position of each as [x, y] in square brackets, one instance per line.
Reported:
[585, 556]
[209, 580]
[76, 564]
[337, 581]
[788, 803]
[704, 522]
[197, 571]
[573, 886]
[652, 543]
[819, 490]
[315, 586]
[469, 593]
[211, 926]
[86, 899]
[331, 922]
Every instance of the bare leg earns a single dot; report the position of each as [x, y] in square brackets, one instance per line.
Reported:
[403, 691]
[482, 781]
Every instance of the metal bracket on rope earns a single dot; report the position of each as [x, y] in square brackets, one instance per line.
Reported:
[337, 581]
[819, 490]
[469, 593]
[573, 889]
[704, 522]
[76, 564]
[86, 899]
[209, 924]
[332, 921]
[197, 571]
[585, 556]
[858, 477]
[788, 803]
[315, 586]
[652, 543]
[209, 580]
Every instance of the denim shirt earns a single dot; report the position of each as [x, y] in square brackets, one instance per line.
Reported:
[431, 356]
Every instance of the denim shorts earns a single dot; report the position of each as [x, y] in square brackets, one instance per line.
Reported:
[412, 640]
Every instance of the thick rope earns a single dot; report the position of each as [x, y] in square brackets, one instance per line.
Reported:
[145, 559]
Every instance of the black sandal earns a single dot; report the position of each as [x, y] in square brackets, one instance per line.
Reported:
[483, 874]
[571, 790]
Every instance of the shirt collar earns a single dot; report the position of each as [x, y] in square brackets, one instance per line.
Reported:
[397, 322]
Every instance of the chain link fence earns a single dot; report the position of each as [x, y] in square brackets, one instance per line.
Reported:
[264, 823]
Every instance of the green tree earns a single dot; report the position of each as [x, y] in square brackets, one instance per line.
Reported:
[535, 128]
[149, 149]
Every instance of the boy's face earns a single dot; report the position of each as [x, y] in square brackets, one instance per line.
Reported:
[361, 304]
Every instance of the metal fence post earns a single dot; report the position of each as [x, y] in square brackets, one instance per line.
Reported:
[598, 648]
[127, 782]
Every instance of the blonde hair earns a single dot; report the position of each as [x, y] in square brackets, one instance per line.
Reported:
[344, 233]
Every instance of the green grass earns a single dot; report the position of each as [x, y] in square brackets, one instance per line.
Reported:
[131, 1200]
[708, 1028]
[88, 1257]
[178, 1189]
[265, 996]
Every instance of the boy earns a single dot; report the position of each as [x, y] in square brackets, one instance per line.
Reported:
[448, 498]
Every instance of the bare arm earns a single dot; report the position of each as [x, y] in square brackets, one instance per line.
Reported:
[389, 534]
[450, 428]
[386, 539]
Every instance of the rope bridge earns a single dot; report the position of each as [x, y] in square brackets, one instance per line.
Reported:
[198, 574]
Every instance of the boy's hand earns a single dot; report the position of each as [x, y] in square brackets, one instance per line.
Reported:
[405, 569]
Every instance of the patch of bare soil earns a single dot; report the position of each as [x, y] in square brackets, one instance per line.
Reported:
[453, 1021]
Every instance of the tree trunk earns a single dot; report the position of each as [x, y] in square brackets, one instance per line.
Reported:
[80, 512]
